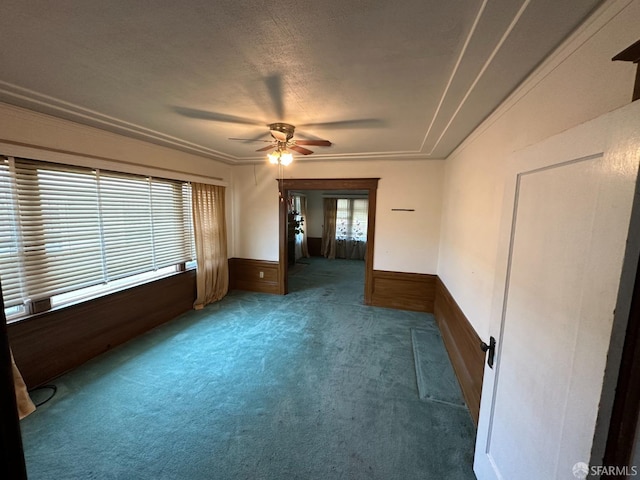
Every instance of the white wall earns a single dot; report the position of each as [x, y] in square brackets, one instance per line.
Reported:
[50, 136]
[43, 137]
[315, 213]
[579, 82]
[404, 241]
[255, 212]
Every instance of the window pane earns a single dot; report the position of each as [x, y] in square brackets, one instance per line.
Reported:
[360, 219]
[171, 223]
[68, 230]
[352, 219]
[342, 219]
[60, 228]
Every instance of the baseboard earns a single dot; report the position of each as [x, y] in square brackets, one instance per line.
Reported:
[254, 275]
[463, 346]
[404, 291]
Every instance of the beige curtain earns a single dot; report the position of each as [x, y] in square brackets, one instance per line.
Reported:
[210, 233]
[25, 405]
[329, 227]
[303, 214]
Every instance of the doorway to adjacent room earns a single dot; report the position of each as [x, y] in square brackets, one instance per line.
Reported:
[362, 186]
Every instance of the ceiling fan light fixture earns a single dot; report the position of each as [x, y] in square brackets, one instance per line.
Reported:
[286, 158]
[273, 157]
[280, 157]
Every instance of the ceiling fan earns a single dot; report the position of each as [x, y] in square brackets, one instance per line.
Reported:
[281, 133]
[282, 141]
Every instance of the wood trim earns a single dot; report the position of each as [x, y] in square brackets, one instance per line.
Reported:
[244, 274]
[632, 54]
[405, 291]
[626, 405]
[329, 183]
[49, 344]
[371, 236]
[296, 184]
[463, 346]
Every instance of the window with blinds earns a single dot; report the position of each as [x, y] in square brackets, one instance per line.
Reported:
[69, 228]
[10, 264]
[352, 218]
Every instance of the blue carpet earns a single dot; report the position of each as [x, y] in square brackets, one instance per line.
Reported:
[434, 374]
[312, 385]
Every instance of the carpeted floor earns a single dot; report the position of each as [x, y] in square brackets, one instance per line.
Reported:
[312, 385]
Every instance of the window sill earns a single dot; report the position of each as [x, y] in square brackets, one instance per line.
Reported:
[107, 291]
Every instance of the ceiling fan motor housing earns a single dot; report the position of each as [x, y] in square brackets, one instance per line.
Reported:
[282, 132]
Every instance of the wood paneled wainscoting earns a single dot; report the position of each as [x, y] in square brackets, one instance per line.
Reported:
[427, 293]
[254, 275]
[51, 343]
[463, 346]
[405, 291]
[314, 246]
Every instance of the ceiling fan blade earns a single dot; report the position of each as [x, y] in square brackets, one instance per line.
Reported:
[274, 86]
[318, 143]
[264, 149]
[356, 123]
[215, 116]
[302, 150]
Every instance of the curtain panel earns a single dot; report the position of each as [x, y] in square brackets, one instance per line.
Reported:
[301, 239]
[351, 228]
[210, 236]
[329, 227]
[351, 249]
[25, 405]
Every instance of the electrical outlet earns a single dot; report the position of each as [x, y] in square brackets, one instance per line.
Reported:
[261, 274]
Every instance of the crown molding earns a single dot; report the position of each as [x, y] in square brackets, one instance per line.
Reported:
[44, 104]
[598, 20]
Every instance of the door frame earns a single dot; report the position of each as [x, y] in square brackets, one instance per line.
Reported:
[293, 184]
[622, 432]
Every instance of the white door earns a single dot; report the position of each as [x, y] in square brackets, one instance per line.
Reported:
[565, 224]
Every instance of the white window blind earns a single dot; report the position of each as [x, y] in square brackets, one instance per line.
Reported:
[125, 202]
[187, 206]
[65, 228]
[172, 232]
[60, 228]
[9, 247]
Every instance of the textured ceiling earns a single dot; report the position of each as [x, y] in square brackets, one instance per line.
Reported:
[382, 79]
